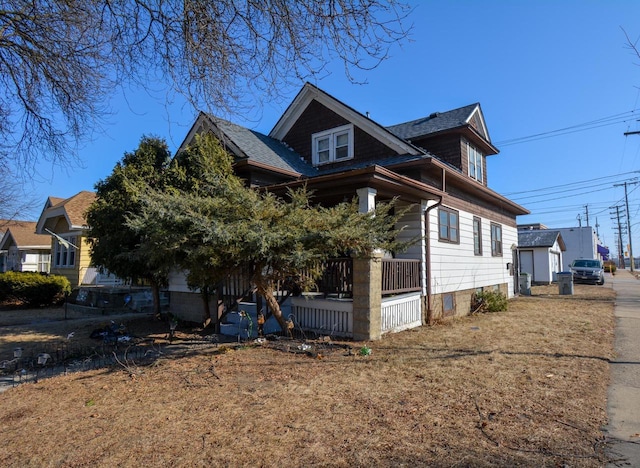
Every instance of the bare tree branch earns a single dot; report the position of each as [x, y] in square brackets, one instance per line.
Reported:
[61, 60]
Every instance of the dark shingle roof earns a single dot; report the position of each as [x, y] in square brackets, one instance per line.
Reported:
[436, 122]
[541, 238]
[361, 164]
[264, 149]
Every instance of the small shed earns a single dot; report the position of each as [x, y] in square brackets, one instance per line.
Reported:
[540, 254]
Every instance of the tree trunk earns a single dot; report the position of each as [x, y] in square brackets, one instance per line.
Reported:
[266, 291]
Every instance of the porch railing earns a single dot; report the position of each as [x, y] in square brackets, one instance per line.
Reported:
[400, 275]
[337, 277]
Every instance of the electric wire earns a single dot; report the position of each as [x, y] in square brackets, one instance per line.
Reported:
[593, 124]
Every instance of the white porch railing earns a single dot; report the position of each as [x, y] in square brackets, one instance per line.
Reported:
[94, 277]
[324, 316]
[401, 312]
[335, 317]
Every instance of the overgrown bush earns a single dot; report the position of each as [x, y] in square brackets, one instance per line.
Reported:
[610, 267]
[489, 301]
[33, 289]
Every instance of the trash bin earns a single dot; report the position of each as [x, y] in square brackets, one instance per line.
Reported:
[565, 283]
[525, 284]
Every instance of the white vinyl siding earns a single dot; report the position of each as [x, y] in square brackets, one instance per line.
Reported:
[455, 267]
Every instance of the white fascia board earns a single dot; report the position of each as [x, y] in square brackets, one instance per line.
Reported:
[48, 214]
[478, 111]
[205, 123]
[200, 122]
[309, 93]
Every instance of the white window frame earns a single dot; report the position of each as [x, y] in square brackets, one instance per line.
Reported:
[65, 257]
[332, 136]
[476, 161]
[448, 225]
[477, 236]
[496, 240]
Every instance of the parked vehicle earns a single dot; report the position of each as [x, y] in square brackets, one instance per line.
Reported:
[587, 271]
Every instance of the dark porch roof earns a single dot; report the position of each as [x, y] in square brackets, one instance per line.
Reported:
[342, 186]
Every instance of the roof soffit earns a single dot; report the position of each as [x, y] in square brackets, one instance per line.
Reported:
[310, 93]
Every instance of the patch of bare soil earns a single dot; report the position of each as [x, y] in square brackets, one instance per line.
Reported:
[526, 387]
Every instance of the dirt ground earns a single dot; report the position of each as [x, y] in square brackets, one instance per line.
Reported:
[526, 387]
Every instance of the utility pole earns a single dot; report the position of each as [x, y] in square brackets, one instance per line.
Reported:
[586, 208]
[626, 200]
[620, 246]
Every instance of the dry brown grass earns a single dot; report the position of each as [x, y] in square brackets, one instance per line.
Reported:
[525, 387]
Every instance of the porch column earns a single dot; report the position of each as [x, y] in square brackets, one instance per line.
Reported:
[367, 298]
[366, 199]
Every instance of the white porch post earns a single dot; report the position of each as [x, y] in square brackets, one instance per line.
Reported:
[366, 199]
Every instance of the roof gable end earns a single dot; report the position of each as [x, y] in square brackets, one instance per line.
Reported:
[309, 93]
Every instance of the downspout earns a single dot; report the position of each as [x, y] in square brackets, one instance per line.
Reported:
[428, 261]
[428, 251]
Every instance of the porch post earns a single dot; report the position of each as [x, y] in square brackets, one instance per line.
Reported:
[367, 298]
[366, 199]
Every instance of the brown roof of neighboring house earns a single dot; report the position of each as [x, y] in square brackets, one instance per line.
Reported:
[73, 210]
[77, 207]
[24, 235]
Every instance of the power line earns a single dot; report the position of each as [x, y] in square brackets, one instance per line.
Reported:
[571, 183]
[602, 122]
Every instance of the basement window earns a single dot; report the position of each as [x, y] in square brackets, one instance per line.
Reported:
[448, 305]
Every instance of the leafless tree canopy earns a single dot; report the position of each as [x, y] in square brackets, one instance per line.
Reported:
[61, 59]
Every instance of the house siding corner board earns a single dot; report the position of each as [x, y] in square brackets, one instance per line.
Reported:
[455, 267]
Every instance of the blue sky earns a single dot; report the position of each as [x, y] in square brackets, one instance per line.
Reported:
[535, 68]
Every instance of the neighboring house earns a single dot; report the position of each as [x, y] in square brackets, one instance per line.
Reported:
[581, 242]
[540, 254]
[64, 221]
[435, 165]
[21, 249]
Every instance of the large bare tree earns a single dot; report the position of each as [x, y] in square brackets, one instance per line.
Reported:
[60, 60]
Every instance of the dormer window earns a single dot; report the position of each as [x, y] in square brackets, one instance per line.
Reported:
[475, 163]
[333, 145]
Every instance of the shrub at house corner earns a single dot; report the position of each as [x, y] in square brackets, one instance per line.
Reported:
[214, 225]
[33, 289]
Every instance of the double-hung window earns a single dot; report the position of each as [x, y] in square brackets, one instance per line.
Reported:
[477, 236]
[65, 255]
[448, 225]
[475, 163]
[333, 145]
[496, 240]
